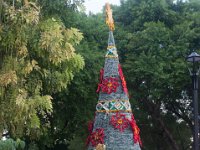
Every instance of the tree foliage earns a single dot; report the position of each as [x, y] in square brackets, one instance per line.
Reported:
[10, 144]
[37, 59]
[47, 100]
[153, 38]
[160, 34]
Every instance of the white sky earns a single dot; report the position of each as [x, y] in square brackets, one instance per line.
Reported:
[96, 6]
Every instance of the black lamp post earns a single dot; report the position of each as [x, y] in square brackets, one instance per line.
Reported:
[194, 58]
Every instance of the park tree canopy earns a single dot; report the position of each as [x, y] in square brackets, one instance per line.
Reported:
[38, 59]
[45, 97]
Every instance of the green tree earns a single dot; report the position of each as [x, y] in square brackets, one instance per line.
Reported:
[153, 38]
[159, 36]
[80, 98]
[38, 59]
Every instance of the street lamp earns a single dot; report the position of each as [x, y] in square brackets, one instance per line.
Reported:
[194, 58]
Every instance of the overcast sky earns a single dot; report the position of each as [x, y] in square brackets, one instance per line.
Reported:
[96, 6]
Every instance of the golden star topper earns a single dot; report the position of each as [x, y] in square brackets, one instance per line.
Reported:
[109, 18]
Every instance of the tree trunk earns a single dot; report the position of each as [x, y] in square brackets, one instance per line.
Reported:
[154, 110]
[168, 135]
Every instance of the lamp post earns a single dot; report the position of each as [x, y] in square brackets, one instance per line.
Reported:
[194, 58]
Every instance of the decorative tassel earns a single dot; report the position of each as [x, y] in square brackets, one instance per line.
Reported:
[136, 131]
[122, 79]
[101, 79]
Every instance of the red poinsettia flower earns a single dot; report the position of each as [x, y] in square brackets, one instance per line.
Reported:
[119, 121]
[108, 85]
[96, 137]
[136, 131]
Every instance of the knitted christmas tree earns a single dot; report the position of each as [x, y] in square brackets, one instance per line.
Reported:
[114, 126]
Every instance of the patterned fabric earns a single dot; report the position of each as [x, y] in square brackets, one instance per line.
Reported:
[111, 67]
[113, 105]
[114, 124]
[112, 52]
[114, 139]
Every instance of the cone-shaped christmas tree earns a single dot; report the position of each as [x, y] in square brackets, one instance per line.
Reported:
[114, 126]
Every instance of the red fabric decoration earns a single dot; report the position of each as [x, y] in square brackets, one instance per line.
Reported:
[90, 126]
[96, 137]
[136, 131]
[108, 85]
[122, 79]
[119, 121]
[100, 80]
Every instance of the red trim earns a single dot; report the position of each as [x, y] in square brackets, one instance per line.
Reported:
[122, 79]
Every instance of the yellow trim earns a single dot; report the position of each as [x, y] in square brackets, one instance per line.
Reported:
[113, 111]
[111, 56]
[109, 47]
